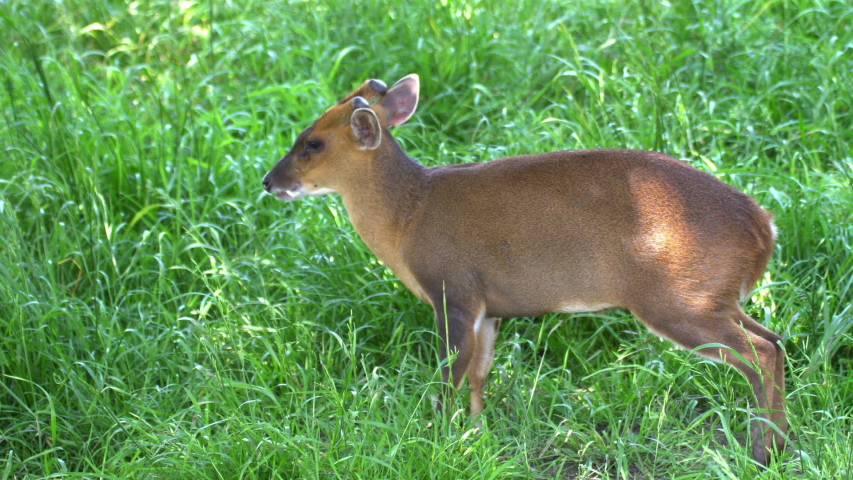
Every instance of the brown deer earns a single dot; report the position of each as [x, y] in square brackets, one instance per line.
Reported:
[568, 231]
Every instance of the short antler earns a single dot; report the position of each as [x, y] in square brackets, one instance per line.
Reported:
[369, 90]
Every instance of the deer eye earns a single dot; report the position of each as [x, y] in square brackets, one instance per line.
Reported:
[313, 145]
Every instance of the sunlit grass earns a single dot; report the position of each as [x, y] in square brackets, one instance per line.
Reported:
[162, 318]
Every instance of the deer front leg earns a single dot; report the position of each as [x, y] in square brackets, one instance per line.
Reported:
[458, 326]
[485, 333]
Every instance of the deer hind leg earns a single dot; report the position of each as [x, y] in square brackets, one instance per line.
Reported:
[758, 356]
[775, 391]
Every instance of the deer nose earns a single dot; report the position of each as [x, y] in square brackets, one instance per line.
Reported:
[267, 183]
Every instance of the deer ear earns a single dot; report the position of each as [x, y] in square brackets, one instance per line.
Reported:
[402, 99]
[365, 128]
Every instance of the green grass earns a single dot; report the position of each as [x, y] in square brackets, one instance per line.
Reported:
[160, 317]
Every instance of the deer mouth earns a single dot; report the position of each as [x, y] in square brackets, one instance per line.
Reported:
[291, 192]
[297, 190]
[287, 195]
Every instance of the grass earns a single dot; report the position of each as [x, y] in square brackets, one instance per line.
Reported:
[161, 318]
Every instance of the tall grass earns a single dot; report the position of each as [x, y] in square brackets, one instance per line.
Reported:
[161, 318]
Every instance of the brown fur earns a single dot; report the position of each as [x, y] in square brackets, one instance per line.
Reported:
[562, 231]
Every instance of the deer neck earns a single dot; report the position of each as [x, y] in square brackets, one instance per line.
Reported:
[384, 198]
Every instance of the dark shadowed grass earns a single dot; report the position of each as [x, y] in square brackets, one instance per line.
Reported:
[162, 318]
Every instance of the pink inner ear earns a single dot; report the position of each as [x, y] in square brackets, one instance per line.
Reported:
[403, 108]
[401, 100]
[363, 130]
[365, 127]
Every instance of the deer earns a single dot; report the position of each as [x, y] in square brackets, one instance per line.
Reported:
[564, 231]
